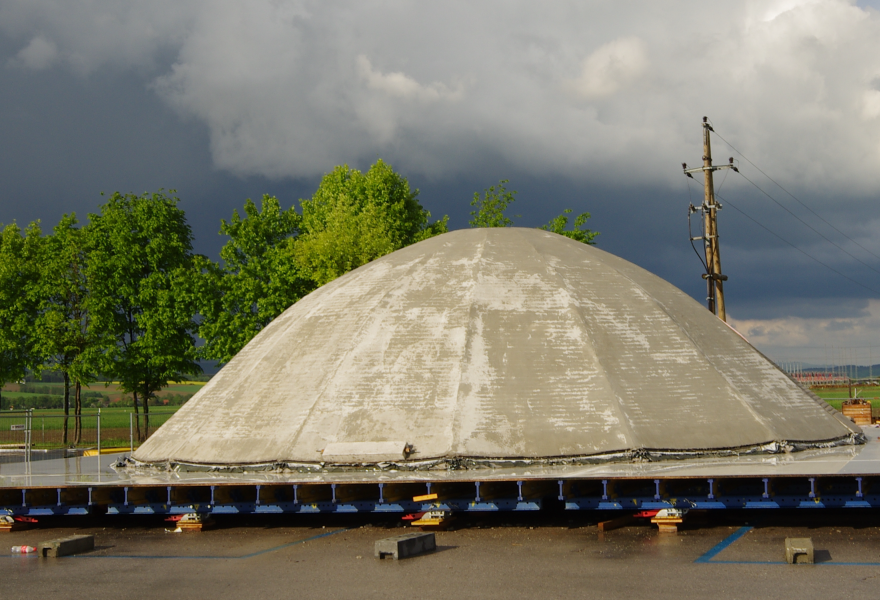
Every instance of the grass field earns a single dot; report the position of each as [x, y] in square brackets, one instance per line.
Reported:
[47, 426]
[41, 395]
[836, 396]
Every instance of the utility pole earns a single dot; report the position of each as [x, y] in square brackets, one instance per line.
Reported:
[713, 276]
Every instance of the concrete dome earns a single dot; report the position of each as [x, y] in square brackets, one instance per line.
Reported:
[486, 345]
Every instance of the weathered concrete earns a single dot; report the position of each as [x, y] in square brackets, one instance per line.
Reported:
[405, 546]
[495, 344]
[799, 551]
[66, 546]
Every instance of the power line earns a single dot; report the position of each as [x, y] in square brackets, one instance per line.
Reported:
[808, 255]
[779, 185]
[817, 232]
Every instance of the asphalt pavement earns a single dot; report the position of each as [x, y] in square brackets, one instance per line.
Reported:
[727, 555]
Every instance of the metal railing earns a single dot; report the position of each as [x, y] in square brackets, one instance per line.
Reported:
[23, 430]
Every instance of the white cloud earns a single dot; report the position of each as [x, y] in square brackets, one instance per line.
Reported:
[611, 67]
[39, 54]
[871, 104]
[818, 340]
[399, 85]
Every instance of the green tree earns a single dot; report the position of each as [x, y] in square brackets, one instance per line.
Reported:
[140, 264]
[578, 233]
[491, 206]
[257, 281]
[64, 338]
[356, 217]
[19, 277]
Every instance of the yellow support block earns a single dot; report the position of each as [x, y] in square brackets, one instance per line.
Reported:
[424, 498]
[94, 451]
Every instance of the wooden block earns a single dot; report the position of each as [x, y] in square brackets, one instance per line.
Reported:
[7, 523]
[667, 524]
[194, 522]
[424, 498]
[617, 523]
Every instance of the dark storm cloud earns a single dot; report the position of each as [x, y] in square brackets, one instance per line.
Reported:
[589, 106]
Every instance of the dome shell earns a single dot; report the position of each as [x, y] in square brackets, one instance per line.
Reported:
[493, 345]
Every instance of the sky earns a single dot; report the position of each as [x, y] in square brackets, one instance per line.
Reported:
[585, 105]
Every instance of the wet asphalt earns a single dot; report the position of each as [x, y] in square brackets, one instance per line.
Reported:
[726, 555]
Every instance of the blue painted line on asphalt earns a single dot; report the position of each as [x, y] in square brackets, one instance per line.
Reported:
[720, 547]
[179, 557]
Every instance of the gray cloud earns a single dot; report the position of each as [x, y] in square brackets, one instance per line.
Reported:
[582, 90]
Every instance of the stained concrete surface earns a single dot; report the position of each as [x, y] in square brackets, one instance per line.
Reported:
[495, 556]
[491, 345]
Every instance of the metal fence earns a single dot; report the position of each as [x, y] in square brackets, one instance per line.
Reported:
[26, 430]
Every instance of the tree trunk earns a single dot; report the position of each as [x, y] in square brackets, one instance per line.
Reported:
[66, 408]
[137, 417]
[146, 417]
[1, 397]
[77, 411]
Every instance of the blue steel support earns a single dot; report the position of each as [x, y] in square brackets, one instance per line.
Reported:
[739, 493]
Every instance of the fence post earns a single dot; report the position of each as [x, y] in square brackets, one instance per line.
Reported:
[29, 419]
[99, 436]
[131, 432]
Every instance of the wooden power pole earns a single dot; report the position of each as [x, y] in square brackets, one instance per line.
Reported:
[713, 276]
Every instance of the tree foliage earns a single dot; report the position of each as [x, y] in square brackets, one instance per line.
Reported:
[141, 264]
[491, 205]
[19, 306]
[64, 337]
[274, 257]
[356, 217]
[490, 208]
[578, 233]
[257, 281]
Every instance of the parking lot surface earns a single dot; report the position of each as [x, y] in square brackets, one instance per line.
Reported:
[734, 555]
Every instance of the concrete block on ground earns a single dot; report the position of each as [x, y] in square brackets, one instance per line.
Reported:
[406, 545]
[66, 546]
[799, 551]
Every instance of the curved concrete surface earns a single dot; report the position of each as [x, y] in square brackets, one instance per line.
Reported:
[488, 344]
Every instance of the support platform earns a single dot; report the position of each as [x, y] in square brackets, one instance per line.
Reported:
[836, 478]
